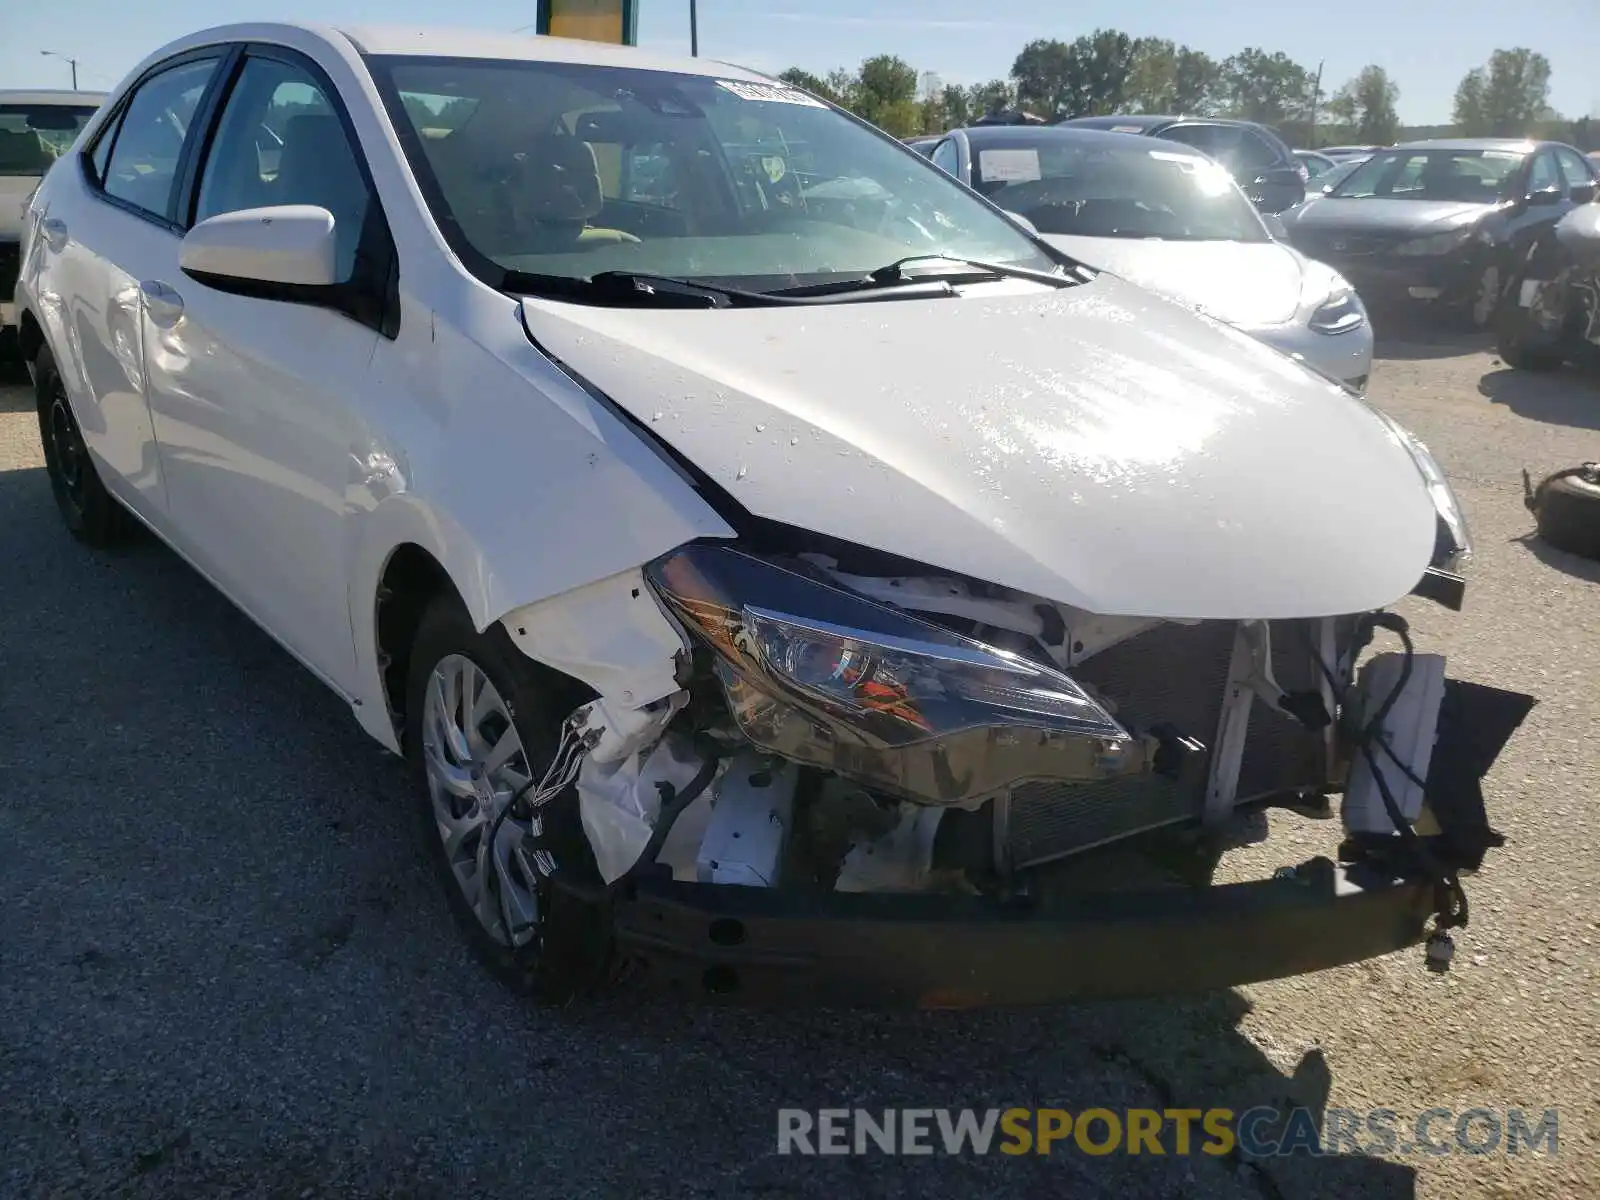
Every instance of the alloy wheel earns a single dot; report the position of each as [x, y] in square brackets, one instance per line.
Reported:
[475, 765]
[66, 443]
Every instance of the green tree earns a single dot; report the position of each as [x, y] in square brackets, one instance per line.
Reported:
[815, 84]
[1469, 111]
[1270, 88]
[1196, 83]
[1367, 105]
[1103, 61]
[1088, 76]
[957, 105]
[986, 98]
[1043, 73]
[1516, 92]
[885, 93]
[1172, 79]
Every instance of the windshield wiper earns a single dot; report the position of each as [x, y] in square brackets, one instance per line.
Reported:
[895, 272]
[627, 288]
[895, 275]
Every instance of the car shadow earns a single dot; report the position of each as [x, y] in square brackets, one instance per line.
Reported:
[275, 915]
[1415, 335]
[1547, 396]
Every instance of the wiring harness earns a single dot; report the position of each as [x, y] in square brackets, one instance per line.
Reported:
[1451, 909]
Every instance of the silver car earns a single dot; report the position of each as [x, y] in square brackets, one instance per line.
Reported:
[35, 129]
[1169, 219]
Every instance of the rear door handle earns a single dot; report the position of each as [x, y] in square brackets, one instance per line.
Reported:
[162, 302]
[54, 230]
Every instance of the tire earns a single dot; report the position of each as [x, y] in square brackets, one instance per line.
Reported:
[568, 950]
[89, 511]
[1519, 344]
[1567, 508]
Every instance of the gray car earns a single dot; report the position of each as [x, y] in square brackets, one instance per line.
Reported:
[1169, 219]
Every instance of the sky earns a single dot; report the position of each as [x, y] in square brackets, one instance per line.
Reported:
[1425, 45]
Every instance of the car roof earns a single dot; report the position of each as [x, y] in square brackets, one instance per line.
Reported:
[1132, 120]
[1524, 145]
[997, 136]
[446, 42]
[44, 97]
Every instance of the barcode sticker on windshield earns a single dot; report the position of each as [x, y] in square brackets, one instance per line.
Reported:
[768, 93]
[1008, 166]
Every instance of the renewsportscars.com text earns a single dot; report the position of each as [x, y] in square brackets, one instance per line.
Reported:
[1253, 1133]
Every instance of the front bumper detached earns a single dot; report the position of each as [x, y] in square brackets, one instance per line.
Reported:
[761, 946]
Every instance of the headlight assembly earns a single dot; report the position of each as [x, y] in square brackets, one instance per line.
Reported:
[1453, 547]
[1342, 312]
[825, 677]
[1435, 243]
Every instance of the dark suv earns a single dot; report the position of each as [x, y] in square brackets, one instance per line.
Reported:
[1258, 158]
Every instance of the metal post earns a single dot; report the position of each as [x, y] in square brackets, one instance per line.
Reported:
[1316, 97]
[694, 31]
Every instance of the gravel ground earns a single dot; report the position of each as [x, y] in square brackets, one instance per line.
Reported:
[224, 969]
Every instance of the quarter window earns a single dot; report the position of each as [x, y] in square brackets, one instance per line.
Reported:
[945, 156]
[1574, 170]
[281, 142]
[1545, 173]
[143, 167]
[1218, 141]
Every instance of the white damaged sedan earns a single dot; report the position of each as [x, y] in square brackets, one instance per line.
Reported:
[784, 573]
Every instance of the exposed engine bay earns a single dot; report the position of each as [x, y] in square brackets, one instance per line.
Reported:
[840, 728]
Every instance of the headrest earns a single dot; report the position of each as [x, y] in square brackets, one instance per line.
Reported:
[561, 179]
[23, 151]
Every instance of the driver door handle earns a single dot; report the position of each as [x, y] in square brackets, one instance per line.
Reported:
[162, 302]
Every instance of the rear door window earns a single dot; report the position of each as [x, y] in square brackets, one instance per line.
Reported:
[1218, 141]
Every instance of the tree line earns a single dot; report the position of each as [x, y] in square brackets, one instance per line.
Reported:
[1108, 71]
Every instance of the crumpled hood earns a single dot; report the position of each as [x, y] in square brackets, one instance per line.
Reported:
[1242, 283]
[1378, 216]
[1095, 445]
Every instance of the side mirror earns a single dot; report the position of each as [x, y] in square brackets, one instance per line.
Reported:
[1585, 193]
[275, 253]
[1275, 227]
[1545, 197]
[1028, 226]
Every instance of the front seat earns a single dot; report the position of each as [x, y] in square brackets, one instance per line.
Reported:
[22, 153]
[318, 166]
[558, 194]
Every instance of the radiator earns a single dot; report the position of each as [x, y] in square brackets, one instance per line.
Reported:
[1175, 674]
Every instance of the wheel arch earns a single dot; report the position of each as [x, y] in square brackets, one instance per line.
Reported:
[604, 631]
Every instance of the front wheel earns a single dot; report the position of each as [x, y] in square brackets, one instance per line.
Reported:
[89, 511]
[1521, 341]
[482, 722]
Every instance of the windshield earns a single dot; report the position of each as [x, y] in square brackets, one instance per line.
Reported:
[1475, 176]
[1116, 190]
[569, 170]
[33, 136]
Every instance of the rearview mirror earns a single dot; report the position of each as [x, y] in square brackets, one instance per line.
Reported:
[1546, 196]
[273, 252]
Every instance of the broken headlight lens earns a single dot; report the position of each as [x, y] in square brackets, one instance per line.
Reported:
[903, 678]
[827, 677]
[1452, 521]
